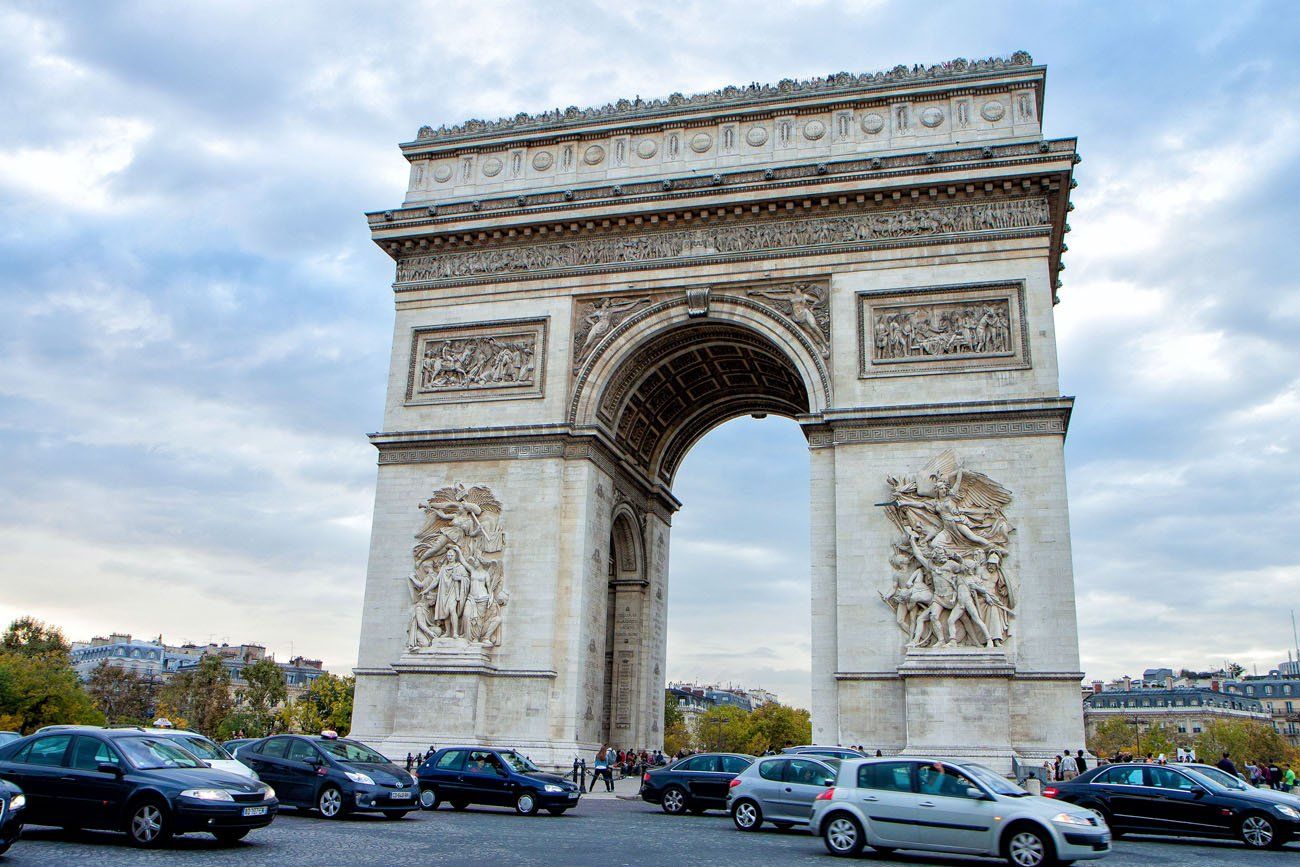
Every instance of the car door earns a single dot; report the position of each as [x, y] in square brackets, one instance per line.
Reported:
[804, 779]
[1124, 791]
[444, 773]
[886, 795]
[96, 796]
[484, 779]
[767, 784]
[950, 816]
[38, 768]
[304, 766]
[269, 763]
[708, 783]
[1181, 805]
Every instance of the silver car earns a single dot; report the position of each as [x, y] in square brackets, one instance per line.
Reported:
[779, 789]
[937, 806]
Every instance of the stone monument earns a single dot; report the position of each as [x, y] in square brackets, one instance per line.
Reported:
[582, 294]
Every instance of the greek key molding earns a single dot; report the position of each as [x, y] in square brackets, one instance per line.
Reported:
[818, 234]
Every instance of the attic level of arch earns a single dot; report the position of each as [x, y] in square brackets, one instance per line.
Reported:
[395, 230]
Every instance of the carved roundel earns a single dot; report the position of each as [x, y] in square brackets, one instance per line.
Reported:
[932, 117]
[701, 142]
[993, 111]
[543, 160]
[813, 130]
[594, 155]
[872, 123]
[646, 148]
[756, 136]
[492, 167]
[442, 174]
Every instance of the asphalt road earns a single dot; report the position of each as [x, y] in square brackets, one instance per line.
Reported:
[601, 833]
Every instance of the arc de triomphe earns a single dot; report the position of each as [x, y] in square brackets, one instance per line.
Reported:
[581, 295]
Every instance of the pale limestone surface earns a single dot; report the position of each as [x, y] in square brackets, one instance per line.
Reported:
[582, 460]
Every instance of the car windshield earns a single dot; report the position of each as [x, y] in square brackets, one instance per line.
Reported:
[517, 763]
[152, 753]
[999, 784]
[352, 751]
[203, 748]
[1222, 778]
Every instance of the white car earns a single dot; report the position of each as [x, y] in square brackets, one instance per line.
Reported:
[205, 749]
[937, 806]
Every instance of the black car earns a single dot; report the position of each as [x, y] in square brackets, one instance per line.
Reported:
[461, 776]
[12, 808]
[124, 780]
[1180, 801]
[695, 783]
[332, 775]
[232, 745]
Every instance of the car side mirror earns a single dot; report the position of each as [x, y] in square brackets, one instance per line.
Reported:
[206, 763]
[502, 772]
[109, 768]
[828, 783]
[977, 794]
[1197, 792]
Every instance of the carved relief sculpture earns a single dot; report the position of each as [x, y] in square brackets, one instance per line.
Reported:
[951, 585]
[937, 330]
[458, 592]
[494, 359]
[804, 304]
[595, 319]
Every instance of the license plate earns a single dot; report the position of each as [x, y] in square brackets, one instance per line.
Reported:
[400, 796]
[573, 795]
[255, 811]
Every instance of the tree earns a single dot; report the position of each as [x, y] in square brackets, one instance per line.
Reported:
[200, 696]
[677, 735]
[266, 690]
[773, 726]
[1243, 740]
[122, 696]
[724, 728]
[327, 704]
[42, 689]
[1113, 736]
[30, 637]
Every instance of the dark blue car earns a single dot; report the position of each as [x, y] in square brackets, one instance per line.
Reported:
[332, 775]
[12, 808]
[461, 776]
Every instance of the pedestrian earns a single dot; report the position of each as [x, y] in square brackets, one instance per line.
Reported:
[601, 768]
[1225, 764]
[1288, 779]
[1081, 761]
[410, 762]
[1069, 768]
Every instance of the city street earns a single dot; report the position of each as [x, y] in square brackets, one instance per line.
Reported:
[601, 832]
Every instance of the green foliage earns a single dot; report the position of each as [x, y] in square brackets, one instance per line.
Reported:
[724, 728]
[41, 689]
[1243, 740]
[327, 704]
[773, 726]
[265, 691]
[1113, 736]
[677, 736]
[30, 637]
[124, 697]
[200, 697]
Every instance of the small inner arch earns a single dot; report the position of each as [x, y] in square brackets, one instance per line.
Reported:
[688, 381]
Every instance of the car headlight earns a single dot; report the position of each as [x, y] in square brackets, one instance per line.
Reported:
[269, 793]
[551, 787]
[207, 794]
[363, 779]
[1072, 819]
[18, 801]
[1290, 812]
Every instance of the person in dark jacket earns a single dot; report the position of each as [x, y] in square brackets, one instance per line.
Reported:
[1081, 761]
[1225, 764]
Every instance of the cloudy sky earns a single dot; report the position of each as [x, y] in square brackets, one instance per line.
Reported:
[194, 326]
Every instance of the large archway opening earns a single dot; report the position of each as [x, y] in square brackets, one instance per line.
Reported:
[740, 586]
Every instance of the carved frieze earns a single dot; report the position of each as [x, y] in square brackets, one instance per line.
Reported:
[458, 592]
[904, 223]
[942, 329]
[483, 361]
[952, 585]
[594, 318]
[806, 305]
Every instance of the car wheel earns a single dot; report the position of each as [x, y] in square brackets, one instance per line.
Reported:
[1258, 832]
[148, 825]
[459, 804]
[1028, 847]
[330, 802]
[429, 798]
[526, 804]
[747, 815]
[230, 836]
[843, 835]
[556, 811]
[674, 801]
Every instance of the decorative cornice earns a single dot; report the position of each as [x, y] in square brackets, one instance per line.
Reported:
[976, 420]
[845, 83]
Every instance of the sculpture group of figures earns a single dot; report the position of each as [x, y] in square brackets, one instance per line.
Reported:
[950, 582]
[943, 329]
[470, 362]
[458, 586]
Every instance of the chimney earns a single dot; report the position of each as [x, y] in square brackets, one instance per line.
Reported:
[1096, 687]
[1214, 685]
[1169, 682]
[1128, 683]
